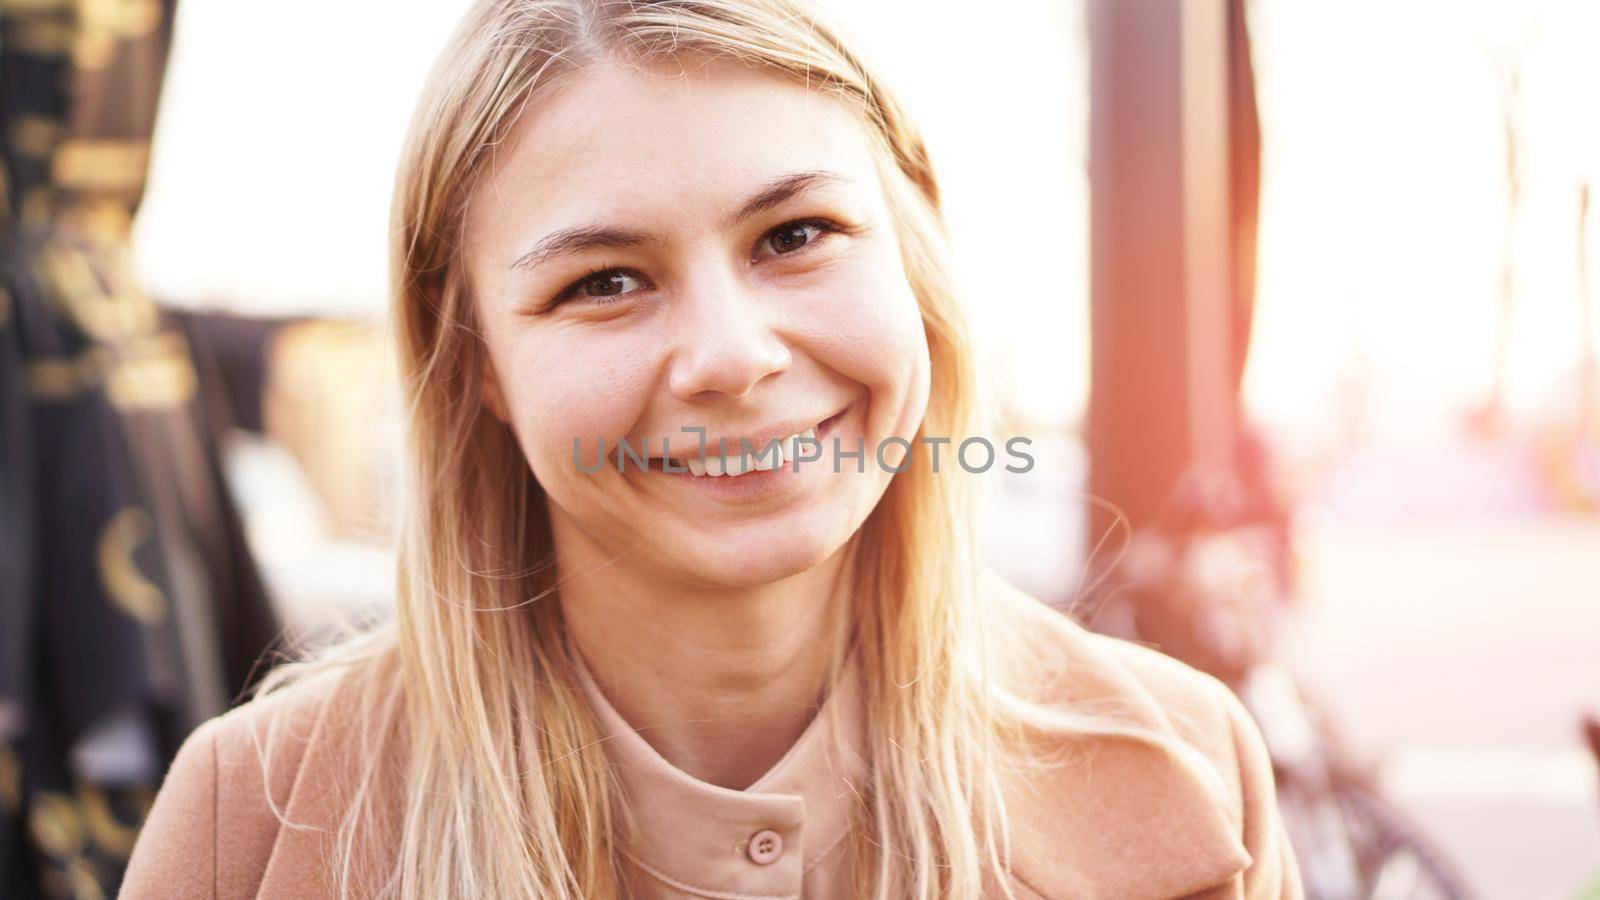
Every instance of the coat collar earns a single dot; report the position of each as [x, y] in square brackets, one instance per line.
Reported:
[695, 834]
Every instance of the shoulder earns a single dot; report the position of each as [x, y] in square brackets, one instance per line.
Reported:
[1069, 666]
[271, 766]
[1164, 781]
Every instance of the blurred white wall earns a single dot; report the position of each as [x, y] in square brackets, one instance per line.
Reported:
[275, 147]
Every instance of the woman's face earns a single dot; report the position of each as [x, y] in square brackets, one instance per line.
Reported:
[711, 250]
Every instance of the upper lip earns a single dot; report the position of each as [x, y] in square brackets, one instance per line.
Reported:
[757, 440]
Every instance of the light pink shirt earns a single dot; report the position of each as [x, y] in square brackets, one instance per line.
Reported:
[783, 836]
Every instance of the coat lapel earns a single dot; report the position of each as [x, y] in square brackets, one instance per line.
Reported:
[1117, 816]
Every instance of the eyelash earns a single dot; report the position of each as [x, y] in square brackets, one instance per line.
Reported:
[827, 227]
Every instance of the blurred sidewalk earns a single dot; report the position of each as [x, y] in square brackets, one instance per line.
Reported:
[1461, 653]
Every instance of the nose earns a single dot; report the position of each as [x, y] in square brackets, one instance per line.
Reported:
[725, 340]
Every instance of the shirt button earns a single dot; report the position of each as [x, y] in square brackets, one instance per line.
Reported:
[765, 847]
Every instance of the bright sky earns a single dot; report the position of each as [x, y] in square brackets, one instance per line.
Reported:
[1384, 222]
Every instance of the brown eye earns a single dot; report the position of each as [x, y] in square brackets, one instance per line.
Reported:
[609, 283]
[791, 236]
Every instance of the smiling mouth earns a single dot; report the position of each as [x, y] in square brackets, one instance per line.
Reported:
[767, 457]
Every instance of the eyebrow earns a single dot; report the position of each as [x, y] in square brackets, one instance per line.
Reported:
[781, 189]
[589, 237]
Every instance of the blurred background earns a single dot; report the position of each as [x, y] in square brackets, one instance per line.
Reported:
[1297, 303]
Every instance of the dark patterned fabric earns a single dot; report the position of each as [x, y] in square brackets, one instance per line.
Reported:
[130, 610]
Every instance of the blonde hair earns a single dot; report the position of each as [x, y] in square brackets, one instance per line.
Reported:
[504, 789]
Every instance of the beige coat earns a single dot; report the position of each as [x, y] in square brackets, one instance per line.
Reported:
[1121, 821]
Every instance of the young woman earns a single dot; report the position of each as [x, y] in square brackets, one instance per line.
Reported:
[624, 674]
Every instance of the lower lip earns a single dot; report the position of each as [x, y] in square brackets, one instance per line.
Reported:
[761, 483]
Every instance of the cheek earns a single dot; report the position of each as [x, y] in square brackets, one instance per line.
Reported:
[586, 386]
[868, 328]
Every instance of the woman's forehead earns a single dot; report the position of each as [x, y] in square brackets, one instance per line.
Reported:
[617, 140]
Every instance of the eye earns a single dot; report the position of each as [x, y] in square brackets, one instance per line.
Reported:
[603, 286]
[792, 236]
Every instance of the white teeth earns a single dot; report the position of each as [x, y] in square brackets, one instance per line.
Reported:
[764, 460]
[791, 444]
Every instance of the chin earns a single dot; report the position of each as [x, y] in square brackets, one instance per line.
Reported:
[745, 562]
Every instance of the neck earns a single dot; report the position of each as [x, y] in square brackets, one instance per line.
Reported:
[720, 682]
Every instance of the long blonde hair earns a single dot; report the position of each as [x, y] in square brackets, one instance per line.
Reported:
[504, 790]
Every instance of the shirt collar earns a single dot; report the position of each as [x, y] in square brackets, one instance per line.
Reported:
[698, 835]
